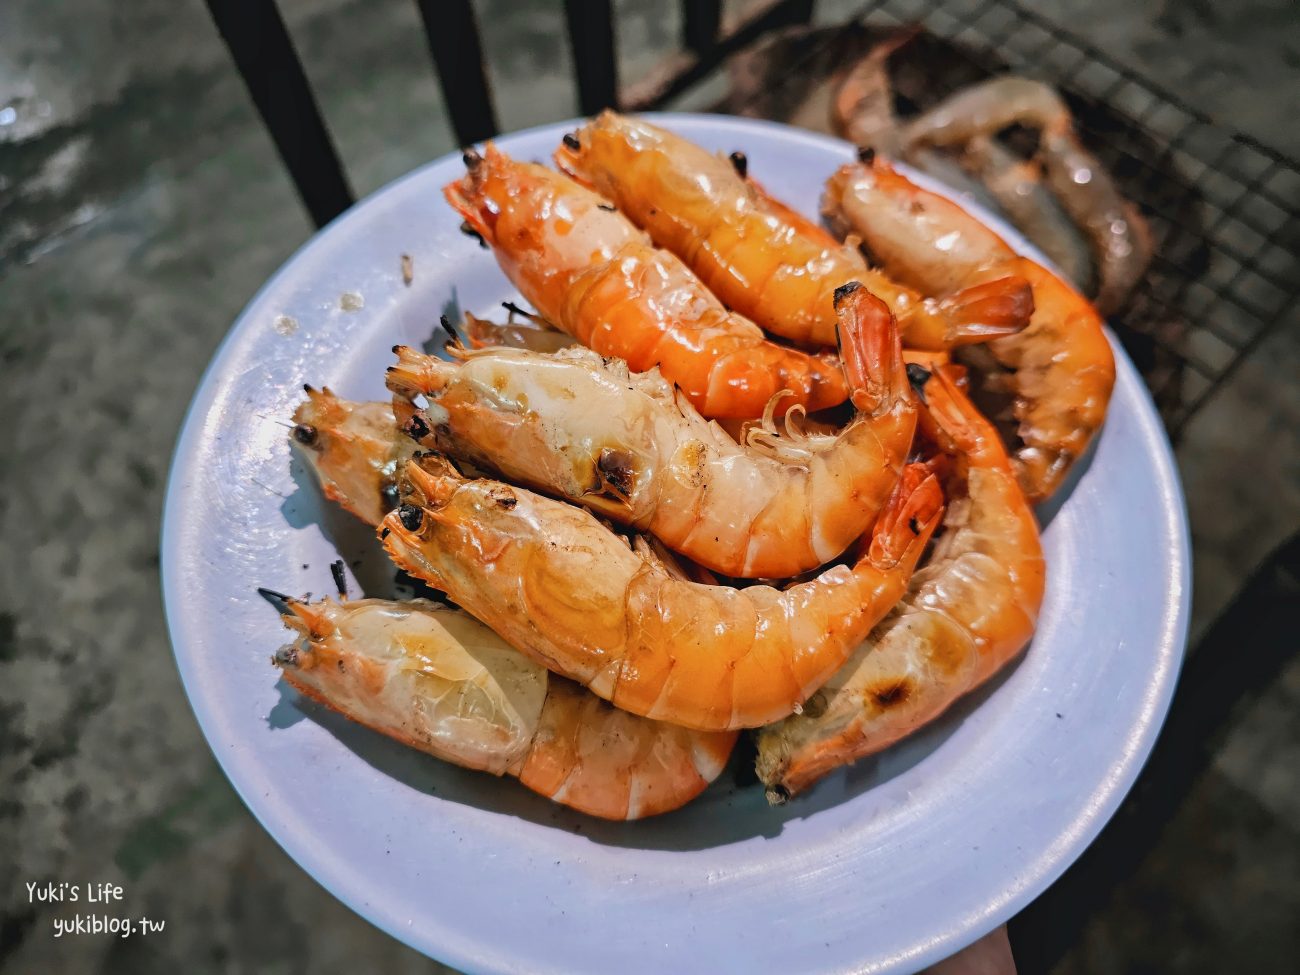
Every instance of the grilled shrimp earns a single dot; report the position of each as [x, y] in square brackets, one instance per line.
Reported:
[356, 450]
[1120, 237]
[970, 610]
[564, 589]
[863, 113]
[1060, 370]
[626, 446]
[440, 681]
[589, 271]
[779, 269]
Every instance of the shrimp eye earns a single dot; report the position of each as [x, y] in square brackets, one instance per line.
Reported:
[571, 140]
[305, 434]
[411, 517]
[866, 154]
[471, 159]
[741, 162]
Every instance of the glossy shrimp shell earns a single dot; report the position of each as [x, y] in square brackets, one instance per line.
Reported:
[968, 612]
[567, 591]
[760, 257]
[1120, 237]
[1059, 372]
[591, 273]
[626, 446]
[439, 681]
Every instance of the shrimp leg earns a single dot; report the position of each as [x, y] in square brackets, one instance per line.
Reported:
[440, 681]
[564, 589]
[969, 611]
[780, 271]
[625, 446]
[590, 272]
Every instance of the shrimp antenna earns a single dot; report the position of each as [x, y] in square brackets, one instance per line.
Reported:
[340, 580]
[282, 603]
[454, 330]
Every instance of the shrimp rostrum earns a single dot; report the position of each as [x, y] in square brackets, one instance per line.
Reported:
[439, 681]
[966, 613]
[564, 589]
[628, 447]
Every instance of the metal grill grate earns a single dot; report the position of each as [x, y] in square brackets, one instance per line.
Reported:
[1222, 207]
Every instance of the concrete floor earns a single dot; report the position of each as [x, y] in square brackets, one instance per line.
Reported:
[141, 205]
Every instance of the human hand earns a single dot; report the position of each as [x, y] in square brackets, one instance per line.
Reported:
[991, 955]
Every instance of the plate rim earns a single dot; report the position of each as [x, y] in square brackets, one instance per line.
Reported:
[468, 954]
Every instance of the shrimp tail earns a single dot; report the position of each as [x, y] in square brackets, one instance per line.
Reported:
[908, 519]
[992, 310]
[870, 349]
[951, 420]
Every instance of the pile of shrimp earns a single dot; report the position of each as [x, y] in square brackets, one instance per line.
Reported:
[727, 477]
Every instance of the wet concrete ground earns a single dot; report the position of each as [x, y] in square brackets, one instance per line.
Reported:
[141, 205]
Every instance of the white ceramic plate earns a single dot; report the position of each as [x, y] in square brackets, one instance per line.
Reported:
[884, 867]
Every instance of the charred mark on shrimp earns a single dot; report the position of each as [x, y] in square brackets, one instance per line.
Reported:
[617, 470]
[503, 496]
[889, 694]
[844, 290]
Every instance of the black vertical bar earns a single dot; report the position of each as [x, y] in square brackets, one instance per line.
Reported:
[700, 22]
[591, 33]
[259, 43]
[452, 33]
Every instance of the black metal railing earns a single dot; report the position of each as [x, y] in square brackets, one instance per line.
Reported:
[264, 53]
